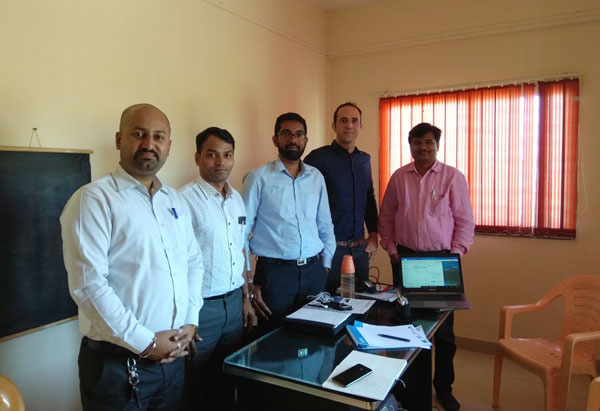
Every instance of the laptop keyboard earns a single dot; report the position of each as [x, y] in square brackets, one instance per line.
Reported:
[437, 297]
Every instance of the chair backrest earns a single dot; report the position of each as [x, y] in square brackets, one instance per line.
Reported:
[582, 303]
[10, 397]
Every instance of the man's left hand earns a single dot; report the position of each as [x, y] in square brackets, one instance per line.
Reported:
[189, 333]
[372, 246]
[250, 317]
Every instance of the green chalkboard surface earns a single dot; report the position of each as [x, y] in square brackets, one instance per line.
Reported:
[34, 187]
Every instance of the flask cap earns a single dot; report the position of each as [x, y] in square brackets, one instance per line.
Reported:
[347, 264]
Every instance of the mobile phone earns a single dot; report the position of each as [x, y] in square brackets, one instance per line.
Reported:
[351, 375]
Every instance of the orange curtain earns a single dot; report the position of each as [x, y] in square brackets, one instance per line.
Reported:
[516, 145]
[559, 109]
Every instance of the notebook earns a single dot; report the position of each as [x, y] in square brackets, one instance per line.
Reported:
[432, 280]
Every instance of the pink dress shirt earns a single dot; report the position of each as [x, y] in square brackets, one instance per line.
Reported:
[427, 213]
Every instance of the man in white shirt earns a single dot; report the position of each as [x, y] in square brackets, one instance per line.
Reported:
[135, 272]
[218, 218]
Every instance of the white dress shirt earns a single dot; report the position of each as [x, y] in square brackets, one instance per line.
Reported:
[219, 225]
[131, 259]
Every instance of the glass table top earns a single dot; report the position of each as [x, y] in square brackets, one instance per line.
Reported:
[309, 359]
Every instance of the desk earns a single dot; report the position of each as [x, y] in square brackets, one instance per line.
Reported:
[301, 362]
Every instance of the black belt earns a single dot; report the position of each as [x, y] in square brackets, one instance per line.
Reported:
[222, 296]
[108, 348]
[351, 243]
[299, 262]
[405, 250]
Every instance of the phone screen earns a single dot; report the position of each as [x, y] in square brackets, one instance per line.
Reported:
[351, 375]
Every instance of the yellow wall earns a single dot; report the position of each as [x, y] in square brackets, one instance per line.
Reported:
[391, 45]
[70, 67]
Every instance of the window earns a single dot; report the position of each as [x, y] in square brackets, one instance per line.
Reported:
[516, 145]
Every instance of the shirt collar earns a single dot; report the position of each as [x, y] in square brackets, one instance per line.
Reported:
[124, 181]
[209, 190]
[341, 150]
[435, 167]
[279, 166]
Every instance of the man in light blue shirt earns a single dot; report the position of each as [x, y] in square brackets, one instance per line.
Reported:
[287, 211]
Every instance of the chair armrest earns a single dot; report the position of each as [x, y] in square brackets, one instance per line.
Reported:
[564, 375]
[509, 311]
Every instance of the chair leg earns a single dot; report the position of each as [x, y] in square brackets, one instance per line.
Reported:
[551, 392]
[497, 378]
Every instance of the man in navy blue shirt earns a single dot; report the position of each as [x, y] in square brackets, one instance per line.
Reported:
[347, 172]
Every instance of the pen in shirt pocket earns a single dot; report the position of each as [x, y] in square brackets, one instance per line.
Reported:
[174, 213]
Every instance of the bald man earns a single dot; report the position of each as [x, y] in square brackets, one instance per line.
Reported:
[135, 273]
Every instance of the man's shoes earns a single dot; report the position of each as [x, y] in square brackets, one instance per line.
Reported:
[448, 401]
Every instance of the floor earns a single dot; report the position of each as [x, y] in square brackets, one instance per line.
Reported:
[520, 390]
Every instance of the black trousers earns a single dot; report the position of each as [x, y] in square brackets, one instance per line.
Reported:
[285, 286]
[444, 340]
[104, 385]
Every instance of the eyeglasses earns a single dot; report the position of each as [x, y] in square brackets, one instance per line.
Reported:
[287, 134]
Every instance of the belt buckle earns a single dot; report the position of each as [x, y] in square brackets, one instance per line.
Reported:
[301, 261]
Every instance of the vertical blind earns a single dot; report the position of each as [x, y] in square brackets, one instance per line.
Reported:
[516, 145]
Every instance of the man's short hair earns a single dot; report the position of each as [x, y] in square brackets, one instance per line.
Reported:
[214, 131]
[421, 129]
[347, 103]
[289, 117]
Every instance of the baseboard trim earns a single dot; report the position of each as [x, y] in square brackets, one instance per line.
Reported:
[473, 344]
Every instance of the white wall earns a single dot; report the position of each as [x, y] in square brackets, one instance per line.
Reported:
[69, 68]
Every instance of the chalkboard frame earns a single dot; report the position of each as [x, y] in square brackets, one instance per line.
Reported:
[56, 197]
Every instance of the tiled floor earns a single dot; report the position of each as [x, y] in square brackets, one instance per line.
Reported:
[520, 390]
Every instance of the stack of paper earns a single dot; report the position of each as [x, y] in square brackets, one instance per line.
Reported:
[372, 337]
[312, 314]
[375, 385]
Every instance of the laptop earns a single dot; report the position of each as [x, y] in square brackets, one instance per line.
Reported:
[432, 280]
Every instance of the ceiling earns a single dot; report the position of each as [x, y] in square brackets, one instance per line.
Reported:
[337, 4]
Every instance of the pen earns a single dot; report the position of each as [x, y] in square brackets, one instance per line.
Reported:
[174, 213]
[391, 337]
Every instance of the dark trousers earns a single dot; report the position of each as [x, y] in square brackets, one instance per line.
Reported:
[444, 340]
[220, 325]
[361, 265]
[285, 286]
[103, 380]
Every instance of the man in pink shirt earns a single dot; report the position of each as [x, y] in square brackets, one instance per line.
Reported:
[427, 208]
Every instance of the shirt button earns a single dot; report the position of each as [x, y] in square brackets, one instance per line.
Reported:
[233, 263]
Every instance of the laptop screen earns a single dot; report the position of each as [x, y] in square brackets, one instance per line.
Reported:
[431, 272]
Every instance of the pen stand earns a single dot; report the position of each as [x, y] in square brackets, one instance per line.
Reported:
[403, 314]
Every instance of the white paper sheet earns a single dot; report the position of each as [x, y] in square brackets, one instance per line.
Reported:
[376, 385]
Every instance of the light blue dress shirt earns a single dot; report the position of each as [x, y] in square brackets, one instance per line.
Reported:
[289, 217]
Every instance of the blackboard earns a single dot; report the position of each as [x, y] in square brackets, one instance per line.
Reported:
[35, 186]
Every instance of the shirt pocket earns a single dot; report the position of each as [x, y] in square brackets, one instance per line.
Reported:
[439, 205]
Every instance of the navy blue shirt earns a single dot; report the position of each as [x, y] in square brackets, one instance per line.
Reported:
[350, 189]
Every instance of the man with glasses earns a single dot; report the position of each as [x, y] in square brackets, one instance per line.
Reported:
[347, 173]
[287, 211]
